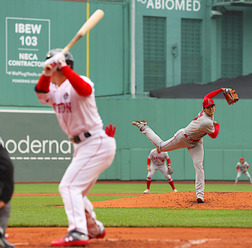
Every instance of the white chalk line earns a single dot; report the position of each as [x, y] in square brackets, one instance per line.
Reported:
[187, 245]
[149, 240]
[195, 242]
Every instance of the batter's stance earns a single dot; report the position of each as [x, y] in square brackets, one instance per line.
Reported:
[242, 167]
[191, 138]
[156, 161]
[73, 100]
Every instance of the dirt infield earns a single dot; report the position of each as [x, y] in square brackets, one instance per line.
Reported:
[142, 237]
[213, 200]
[175, 237]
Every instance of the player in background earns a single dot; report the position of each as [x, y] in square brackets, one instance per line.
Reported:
[73, 100]
[6, 191]
[190, 137]
[242, 167]
[157, 161]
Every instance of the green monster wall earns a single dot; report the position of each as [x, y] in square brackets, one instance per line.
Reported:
[41, 151]
[166, 116]
[30, 28]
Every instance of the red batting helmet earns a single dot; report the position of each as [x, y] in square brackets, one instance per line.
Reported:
[207, 102]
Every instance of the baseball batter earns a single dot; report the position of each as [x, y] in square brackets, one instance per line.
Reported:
[73, 100]
[191, 138]
[242, 167]
[157, 161]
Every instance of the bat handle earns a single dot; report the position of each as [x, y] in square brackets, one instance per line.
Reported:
[65, 50]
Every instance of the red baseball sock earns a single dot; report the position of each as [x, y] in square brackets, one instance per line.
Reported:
[148, 182]
[171, 183]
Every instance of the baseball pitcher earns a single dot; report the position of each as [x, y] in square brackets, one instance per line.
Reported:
[190, 137]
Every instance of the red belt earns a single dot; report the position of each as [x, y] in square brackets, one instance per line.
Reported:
[190, 139]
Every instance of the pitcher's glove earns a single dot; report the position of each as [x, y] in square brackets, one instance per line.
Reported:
[170, 170]
[230, 95]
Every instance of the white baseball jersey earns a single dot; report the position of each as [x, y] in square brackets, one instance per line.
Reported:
[200, 126]
[243, 166]
[158, 158]
[76, 114]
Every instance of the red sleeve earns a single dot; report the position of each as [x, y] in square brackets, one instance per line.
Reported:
[43, 84]
[237, 168]
[216, 131]
[169, 161]
[213, 93]
[82, 88]
[148, 161]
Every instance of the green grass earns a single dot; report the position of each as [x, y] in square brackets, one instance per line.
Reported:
[48, 210]
[134, 188]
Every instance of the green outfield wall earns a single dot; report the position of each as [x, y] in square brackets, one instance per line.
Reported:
[138, 46]
[41, 151]
[32, 27]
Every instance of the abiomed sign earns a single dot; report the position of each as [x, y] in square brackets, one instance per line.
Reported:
[27, 40]
[178, 5]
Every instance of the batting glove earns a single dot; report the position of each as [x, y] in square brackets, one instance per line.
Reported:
[60, 59]
[49, 69]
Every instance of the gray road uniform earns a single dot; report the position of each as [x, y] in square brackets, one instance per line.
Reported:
[191, 138]
[158, 162]
[242, 169]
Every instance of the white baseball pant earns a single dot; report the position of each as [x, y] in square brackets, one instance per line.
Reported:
[91, 158]
[162, 168]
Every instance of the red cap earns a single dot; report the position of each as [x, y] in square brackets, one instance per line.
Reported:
[207, 102]
[242, 158]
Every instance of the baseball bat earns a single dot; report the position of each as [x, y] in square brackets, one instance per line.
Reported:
[88, 25]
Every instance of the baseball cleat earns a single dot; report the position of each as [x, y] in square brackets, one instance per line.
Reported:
[139, 124]
[200, 200]
[73, 238]
[99, 236]
[235, 184]
[147, 191]
[175, 190]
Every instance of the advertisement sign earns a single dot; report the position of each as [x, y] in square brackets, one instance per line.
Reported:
[27, 39]
[39, 149]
